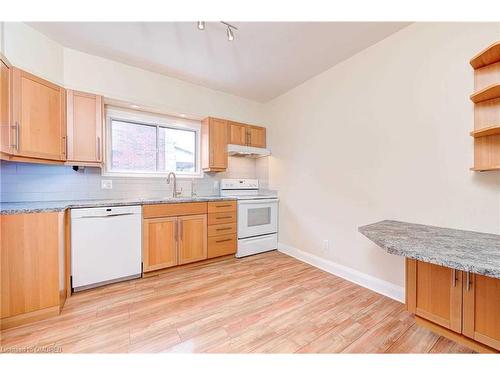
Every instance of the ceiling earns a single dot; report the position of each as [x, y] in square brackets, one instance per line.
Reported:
[265, 60]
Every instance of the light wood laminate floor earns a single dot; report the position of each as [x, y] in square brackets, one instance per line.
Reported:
[268, 303]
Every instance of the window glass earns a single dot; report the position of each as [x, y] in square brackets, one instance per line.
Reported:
[152, 144]
[177, 150]
[133, 147]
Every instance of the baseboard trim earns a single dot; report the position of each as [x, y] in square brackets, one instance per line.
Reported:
[390, 290]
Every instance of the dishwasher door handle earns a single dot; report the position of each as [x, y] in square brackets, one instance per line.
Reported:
[105, 216]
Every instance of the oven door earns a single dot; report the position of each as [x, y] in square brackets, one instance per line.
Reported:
[257, 217]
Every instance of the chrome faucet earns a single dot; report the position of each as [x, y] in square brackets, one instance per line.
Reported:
[175, 193]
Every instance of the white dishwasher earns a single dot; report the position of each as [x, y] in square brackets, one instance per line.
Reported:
[105, 245]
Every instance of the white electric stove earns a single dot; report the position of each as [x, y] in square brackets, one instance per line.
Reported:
[257, 216]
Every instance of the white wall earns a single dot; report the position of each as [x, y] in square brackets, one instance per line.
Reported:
[32, 51]
[383, 135]
[119, 81]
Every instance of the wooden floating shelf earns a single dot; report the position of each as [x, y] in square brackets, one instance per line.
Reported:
[488, 56]
[490, 92]
[491, 130]
[484, 169]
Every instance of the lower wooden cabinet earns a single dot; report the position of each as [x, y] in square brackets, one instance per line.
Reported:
[33, 267]
[466, 304]
[481, 300]
[222, 228]
[178, 236]
[192, 238]
[159, 243]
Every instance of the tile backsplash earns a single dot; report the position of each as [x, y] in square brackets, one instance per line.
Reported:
[36, 182]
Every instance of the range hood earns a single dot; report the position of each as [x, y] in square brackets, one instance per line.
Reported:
[247, 151]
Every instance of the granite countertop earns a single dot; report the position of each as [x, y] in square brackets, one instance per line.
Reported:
[8, 208]
[459, 249]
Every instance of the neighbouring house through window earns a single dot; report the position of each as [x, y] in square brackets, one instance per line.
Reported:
[140, 143]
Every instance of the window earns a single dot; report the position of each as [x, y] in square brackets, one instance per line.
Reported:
[147, 144]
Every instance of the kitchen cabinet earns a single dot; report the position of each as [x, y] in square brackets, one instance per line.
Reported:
[246, 135]
[222, 228]
[214, 145]
[459, 305]
[237, 133]
[33, 267]
[481, 308]
[39, 117]
[84, 128]
[5, 106]
[159, 243]
[257, 136]
[192, 238]
[439, 295]
[174, 234]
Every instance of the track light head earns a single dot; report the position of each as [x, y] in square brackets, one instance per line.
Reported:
[230, 35]
[201, 25]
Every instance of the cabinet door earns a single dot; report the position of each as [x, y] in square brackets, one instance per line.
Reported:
[30, 246]
[192, 238]
[481, 298]
[256, 136]
[439, 295]
[84, 115]
[39, 115]
[237, 133]
[218, 143]
[5, 108]
[159, 243]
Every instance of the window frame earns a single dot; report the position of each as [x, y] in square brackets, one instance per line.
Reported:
[155, 120]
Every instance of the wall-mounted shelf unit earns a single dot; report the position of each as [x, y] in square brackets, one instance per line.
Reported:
[484, 132]
[488, 93]
[486, 98]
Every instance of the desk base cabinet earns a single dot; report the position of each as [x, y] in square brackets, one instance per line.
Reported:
[464, 304]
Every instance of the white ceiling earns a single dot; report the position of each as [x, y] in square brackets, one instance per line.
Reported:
[265, 60]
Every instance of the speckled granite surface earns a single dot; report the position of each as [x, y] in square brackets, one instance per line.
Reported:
[463, 250]
[10, 208]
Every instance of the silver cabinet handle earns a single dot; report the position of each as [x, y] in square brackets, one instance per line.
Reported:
[468, 281]
[15, 127]
[226, 240]
[98, 147]
[180, 231]
[176, 230]
[65, 145]
[454, 277]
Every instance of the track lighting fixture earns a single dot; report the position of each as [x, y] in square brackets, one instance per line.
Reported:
[229, 29]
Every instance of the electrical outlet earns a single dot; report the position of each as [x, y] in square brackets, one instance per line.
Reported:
[326, 245]
[106, 184]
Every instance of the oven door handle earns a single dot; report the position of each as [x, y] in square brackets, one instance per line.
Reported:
[257, 201]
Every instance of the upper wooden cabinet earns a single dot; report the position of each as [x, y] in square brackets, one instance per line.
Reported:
[38, 117]
[246, 135]
[5, 106]
[257, 136]
[237, 133]
[85, 117]
[213, 145]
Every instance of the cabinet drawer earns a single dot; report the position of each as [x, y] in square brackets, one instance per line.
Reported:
[223, 206]
[222, 245]
[174, 209]
[222, 218]
[220, 229]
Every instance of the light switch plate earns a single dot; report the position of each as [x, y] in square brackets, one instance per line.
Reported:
[106, 184]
